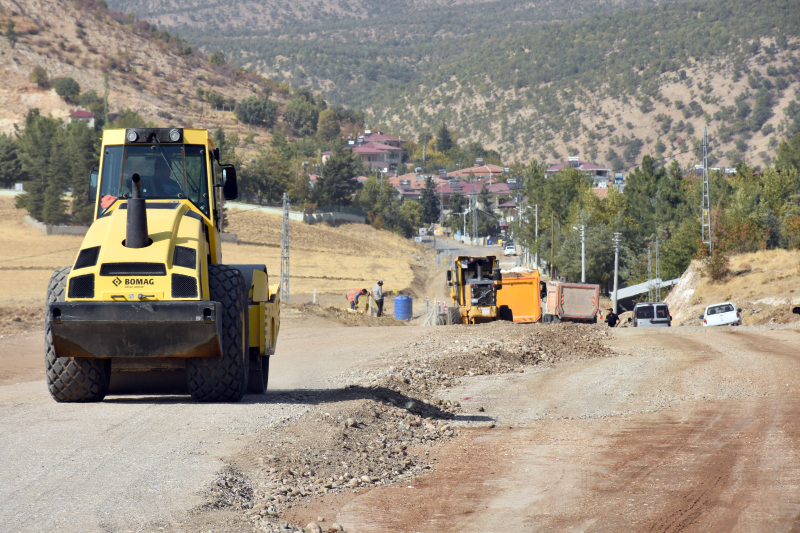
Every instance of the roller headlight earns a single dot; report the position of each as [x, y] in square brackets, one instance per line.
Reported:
[132, 136]
[174, 135]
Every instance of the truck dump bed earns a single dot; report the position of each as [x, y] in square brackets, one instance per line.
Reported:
[573, 301]
[519, 298]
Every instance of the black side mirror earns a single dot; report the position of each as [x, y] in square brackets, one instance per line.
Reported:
[93, 184]
[796, 310]
[701, 317]
[230, 190]
[739, 310]
[449, 278]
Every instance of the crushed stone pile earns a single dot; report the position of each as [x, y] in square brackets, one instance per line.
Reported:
[374, 431]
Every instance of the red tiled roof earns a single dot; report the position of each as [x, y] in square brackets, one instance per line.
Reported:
[372, 148]
[601, 192]
[483, 170]
[80, 113]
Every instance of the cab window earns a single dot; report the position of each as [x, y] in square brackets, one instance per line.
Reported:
[171, 172]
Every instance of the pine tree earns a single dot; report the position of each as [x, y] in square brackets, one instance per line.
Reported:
[10, 167]
[444, 141]
[336, 185]
[429, 202]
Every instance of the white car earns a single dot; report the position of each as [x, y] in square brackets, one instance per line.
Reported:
[724, 314]
[510, 249]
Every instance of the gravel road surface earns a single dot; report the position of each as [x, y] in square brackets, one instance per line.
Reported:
[493, 428]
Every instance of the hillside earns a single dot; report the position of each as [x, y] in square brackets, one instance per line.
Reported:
[608, 81]
[148, 71]
[763, 284]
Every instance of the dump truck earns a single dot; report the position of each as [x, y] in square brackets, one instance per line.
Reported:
[473, 283]
[573, 302]
[148, 296]
[519, 301]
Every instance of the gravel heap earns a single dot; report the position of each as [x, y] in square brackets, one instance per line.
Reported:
[374, 431]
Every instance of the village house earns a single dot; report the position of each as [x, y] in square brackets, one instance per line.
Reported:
[82, 116]
[379, 151]
[601, 176]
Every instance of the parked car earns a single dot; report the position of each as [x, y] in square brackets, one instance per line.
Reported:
[724, 314]
[509, 248]
[651, 315]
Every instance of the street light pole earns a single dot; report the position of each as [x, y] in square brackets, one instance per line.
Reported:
[616, 267]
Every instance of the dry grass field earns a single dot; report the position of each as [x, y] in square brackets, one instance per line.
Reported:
[330, 260]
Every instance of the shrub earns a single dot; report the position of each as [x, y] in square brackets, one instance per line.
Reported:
[257, 111]
[40, 78]
[718, 267]
[68, 89]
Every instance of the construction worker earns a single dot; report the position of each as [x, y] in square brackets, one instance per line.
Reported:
[353, 295]
[377, 295]
[612, 319]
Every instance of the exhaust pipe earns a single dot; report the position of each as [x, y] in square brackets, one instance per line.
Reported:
[136, 232]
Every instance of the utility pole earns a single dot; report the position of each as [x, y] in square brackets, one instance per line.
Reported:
[474, 214]
[658, 274]
[552, 245]
[705, 223]
[616, 268]
[583, 253]
[649, 277]
[536, 260]
[284, 283]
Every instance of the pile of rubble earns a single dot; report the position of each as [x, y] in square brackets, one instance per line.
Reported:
[375, 430]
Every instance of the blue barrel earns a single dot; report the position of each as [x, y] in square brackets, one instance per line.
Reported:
[402, 307]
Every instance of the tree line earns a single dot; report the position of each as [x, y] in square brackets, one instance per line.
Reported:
[750, 210]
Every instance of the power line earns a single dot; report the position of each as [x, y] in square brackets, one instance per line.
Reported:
[38, 255]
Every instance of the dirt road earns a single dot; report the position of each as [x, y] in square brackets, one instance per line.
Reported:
[681, 429]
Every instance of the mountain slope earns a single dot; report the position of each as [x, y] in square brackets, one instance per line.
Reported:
[148, 71]
[604, 80]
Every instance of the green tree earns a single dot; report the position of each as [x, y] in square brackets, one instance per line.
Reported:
[40, 78]
[10, 167]
[413, 212]
[789, 154]
[257, 111]
[41, 155]
[429, 202]
[485, 198]
[217, 59]
[303, 115]
[444, 140]
[268, 176]
[328, 127]
[128, 118]
[94, 103]
[336, 185]
[68, 89]
[11, 33]
[82, 146]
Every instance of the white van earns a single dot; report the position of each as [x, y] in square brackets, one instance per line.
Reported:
[651, 315]
[724, 314]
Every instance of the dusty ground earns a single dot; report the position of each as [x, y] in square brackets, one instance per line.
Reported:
[499, 427]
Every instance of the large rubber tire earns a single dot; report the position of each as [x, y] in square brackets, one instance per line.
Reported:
[259, 374]
[224, 379]
[72, 379]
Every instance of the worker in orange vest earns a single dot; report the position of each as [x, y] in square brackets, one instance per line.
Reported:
[353, 296]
